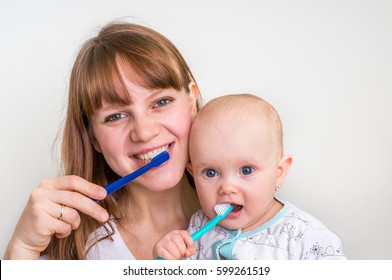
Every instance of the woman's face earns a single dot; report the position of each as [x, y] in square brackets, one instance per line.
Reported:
[128, 136]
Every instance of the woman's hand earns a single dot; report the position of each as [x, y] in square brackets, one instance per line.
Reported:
[175, 245]
[53, 209]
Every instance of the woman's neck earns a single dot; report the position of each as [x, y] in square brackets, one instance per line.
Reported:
[152, 214]
[164, 207]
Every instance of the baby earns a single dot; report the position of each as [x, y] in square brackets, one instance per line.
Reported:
[237, 158]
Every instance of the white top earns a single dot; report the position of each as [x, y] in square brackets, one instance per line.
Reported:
[291, 235]
[109, 248]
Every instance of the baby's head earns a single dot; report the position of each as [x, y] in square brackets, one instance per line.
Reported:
[236, 154]
[238, 114]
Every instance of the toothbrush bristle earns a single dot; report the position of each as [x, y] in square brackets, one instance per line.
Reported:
[222, 209]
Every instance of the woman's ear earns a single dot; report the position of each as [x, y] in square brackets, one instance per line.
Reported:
[94, 141]
[283, 168]
[95, 145]
[189, 168]
[193, 94]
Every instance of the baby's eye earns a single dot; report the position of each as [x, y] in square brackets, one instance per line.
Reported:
[115, 117]
[210, 173]
[162, 102]
[246, 170]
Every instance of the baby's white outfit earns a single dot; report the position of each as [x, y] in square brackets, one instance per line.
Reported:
[291, 235]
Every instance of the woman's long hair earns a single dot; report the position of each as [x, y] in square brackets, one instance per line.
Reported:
[154, 62]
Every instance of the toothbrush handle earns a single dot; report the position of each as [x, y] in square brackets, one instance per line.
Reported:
[118, 184]
[208, 226]
[112, 187]
[156, 161]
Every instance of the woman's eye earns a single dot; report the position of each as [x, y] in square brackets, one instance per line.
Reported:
[246, 170]
[114, 117]
[162, 102]
[210, 173]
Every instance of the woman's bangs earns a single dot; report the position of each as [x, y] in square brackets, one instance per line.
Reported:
[153, 66]
[153, 70]
[105, 86]
[156, 73]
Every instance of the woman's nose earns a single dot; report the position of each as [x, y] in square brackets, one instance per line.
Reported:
[144, 129]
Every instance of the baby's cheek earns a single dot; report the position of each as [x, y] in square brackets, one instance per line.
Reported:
[207, 201]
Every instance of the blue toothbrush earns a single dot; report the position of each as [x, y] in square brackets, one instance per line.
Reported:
[156, 161]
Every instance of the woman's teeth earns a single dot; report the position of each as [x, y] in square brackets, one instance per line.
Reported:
[147, 157]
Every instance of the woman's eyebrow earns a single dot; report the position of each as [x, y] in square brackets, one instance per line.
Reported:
[110, 107]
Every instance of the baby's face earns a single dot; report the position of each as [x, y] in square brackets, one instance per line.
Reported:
[235, 162]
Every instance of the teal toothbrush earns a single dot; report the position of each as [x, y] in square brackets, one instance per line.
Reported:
[221, 210]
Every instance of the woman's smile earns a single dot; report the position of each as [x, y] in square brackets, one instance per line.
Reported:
[146, 157]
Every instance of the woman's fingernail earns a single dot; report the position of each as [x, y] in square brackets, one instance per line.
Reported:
[104, 216]
[101, 193]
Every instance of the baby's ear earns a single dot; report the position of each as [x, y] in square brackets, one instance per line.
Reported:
[189, 168]
[283, 168]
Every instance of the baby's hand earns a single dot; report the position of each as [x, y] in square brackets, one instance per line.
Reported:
[175, 245]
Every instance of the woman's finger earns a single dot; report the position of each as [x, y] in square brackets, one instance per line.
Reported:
[77, 193]
[80, 203]
[77, 184]
[65, 214]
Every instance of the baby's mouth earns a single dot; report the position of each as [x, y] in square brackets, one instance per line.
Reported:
[147, 157]
[236, 208]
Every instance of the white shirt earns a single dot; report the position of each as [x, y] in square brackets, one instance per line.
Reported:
[109, 248]
[291, 235]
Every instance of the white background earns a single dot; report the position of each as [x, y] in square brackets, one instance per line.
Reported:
[325, 65]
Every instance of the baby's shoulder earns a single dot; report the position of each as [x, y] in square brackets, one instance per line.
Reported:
[199, 218]
[299, 218]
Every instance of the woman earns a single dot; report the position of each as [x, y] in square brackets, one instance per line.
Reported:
[131, 94]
